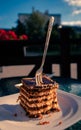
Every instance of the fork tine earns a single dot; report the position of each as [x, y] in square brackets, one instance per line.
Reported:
[39, 78]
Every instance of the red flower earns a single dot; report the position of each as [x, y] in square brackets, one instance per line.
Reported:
[23, 37]
[11, 35]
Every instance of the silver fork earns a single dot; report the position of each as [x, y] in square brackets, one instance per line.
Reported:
[38, 75]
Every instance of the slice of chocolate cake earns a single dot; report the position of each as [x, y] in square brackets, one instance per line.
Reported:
[41, 99]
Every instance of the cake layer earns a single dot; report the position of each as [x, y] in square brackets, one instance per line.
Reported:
[38, 104]
[35, 113]
[39, 99]
[37, 94]
[30, 84]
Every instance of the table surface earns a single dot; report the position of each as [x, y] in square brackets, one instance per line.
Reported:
[65, 84]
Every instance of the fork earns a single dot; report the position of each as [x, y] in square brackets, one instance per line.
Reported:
[38, 74]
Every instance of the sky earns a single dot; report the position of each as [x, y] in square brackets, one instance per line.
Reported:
[70, 10]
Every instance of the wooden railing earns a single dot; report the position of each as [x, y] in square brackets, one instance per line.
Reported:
[12, 53]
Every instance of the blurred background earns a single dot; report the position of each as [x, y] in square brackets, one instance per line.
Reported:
[23, 29]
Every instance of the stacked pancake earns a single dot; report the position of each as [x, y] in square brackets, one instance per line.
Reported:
[41, 99]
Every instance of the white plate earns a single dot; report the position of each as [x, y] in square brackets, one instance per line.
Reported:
[70, 113]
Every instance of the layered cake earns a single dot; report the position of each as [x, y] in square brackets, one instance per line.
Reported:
[41, 99]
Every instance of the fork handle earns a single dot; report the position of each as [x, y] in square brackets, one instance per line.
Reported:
[47, 40]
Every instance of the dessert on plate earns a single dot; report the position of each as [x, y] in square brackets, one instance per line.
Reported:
[41, 99]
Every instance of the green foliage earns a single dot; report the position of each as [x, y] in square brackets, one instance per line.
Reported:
[35, 24]
[20, 29]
